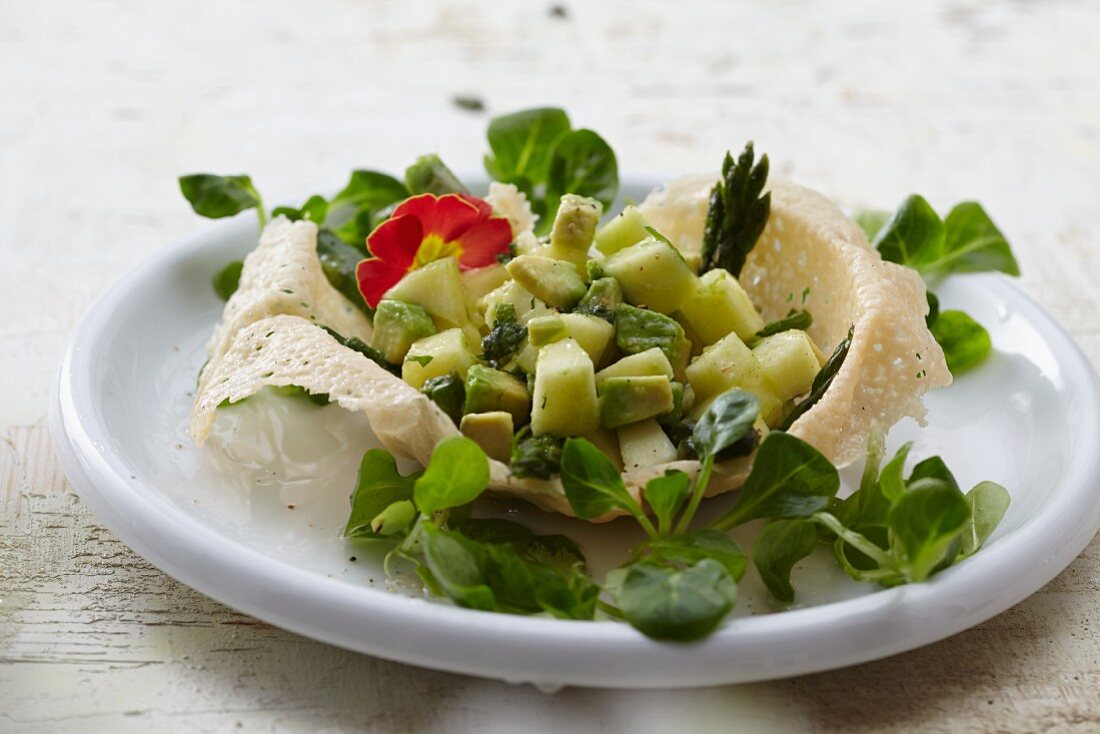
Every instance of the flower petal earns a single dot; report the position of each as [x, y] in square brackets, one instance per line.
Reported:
[375, 277]
[396, 240]
[447, 216]
[483, 242]
[484, 208]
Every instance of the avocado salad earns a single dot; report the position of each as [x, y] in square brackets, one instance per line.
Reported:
[604, 362]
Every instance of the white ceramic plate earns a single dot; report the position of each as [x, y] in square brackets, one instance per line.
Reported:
[220, 519]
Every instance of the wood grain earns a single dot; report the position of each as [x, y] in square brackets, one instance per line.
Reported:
[104, 104]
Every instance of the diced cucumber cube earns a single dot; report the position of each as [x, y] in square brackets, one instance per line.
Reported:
[726, 364]
[437, 355]
[564, 403]
[654, 274]
[650, 362]
[438, 288]
[526, 305]
[645, 444]
[593, 334]
[626, 229]
[720, 306]
[481, 281]
[790, 362]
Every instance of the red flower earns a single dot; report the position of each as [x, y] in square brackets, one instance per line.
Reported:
[426, 228]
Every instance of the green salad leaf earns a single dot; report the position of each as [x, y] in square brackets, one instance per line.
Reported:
[593, 485]
[988, 503]
[457, 473]
[780, 545]
[226, 281]
[789, 478]
[965, 342]
[429, 175]
[378, 487]
[338, 261]
[215, 196]
[665, 495]
[680, 604]
[539, 152]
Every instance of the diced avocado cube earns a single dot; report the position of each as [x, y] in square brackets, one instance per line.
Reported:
[637, 330]
[396, 326]
[512, 293]
[437, 287]
[602, 298]
[564, 403]
[645, 444]
[544, 330]
[556, 282]
[652, 273]
[625, 229]
[481, 281]
[650, 362]
[489, 390]
[789, 361]
[440, 354]
[726, 364]
[631, 399]
[676, 414]
[720, 306]
[491, 431]
[448, 392]
[573, 230]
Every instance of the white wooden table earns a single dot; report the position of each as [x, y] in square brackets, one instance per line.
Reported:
[103, 104]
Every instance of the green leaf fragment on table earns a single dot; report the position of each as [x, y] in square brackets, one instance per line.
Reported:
[228, 278]
[965, 342]
[378, 486]
[789, 478]
[737, 212]
[456, 475]
[670, 603]
[214, 196]
[780, 545]
[592, 483]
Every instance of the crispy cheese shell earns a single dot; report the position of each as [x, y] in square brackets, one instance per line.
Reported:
[808, 244]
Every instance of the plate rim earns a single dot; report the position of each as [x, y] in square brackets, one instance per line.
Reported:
[434, 635]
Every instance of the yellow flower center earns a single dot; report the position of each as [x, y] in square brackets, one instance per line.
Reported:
[434, 248]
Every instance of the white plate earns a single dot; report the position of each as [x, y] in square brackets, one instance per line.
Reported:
[219, 519]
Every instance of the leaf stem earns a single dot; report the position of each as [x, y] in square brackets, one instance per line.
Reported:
[610, 609]
[644, 521]
[697, 491]
[855, 540]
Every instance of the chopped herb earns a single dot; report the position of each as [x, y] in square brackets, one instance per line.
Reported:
[536, 456]
[358, 345]
[505, 338]
[468, 102]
